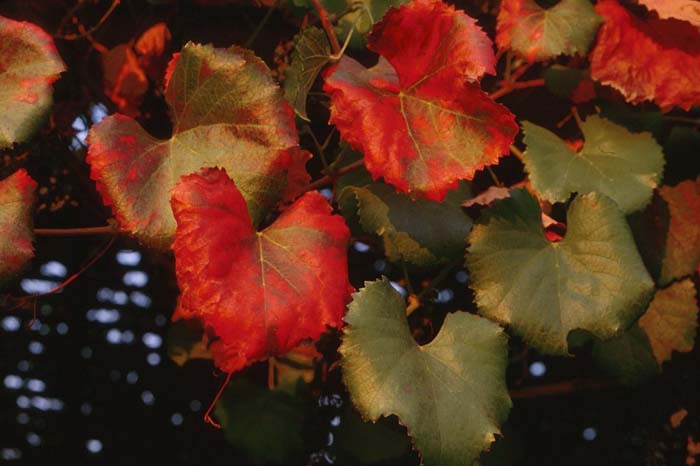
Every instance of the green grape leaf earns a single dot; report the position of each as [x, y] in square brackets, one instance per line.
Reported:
[627, 357]
[562, 81]
[29, 65]
[450, 394]
[370, 442]
[537, 33]
[624, 166]
[311, 53]
[16, 208]
[420, 232]
[593, 279]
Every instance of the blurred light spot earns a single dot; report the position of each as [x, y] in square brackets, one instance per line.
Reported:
[361, 247]
[152, 340]
[120, 298]
[328, 457]
[161, 320]
[128, 337]
[153, 359]
[23, 402]
[589, 434]
[148, 398]
[36, 325]
[9, 454]
[380, 265]
[10, 324]
[86, 352]
[13, 382]
[177, 419]
[54, 269]
[135, 278]
[128, 257]
[104, 294]
[86, 409]
[37, 285]
[41, 403]
[327, 193]
[114, 336]
[62, 328]
[330, 439]
[56, 404]
[103, 316]
[93, 445]
[23, 418]
[195, 405]
[81, 130]
[97, 112]
[115, 375]
[335, 422]
[538, 369]
[45, 310]
[445, 296]
[399, 288]
[23, 365]
[36, 385]
[461, 276]
[140, 299]
[132, 377]
[33, 439]
[36, 347]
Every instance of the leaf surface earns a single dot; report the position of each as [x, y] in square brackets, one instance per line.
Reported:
[686, 10]
[654, 59]
[681, 255]
[537, 33]
[29, 65]
[419, 116]
[227, 112]
[622, 165]
[260, 292]
[450, 394]
[592, 280]
[16, 208]
[311, 53]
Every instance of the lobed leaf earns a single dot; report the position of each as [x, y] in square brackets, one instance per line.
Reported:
[16, 208]
[311, 53]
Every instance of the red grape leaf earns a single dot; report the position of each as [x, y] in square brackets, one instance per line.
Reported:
[16, 201]
[686, 10]
[420, 124]
[537, 33]
[227, 111]
[261, 292]
[655, 59]
[124, 80]
[682, 252]
[29, 65]
[151, 49]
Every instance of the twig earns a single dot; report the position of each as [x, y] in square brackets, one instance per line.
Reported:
[443, 274]
[560, 388]
[508, 88]
[207, 415]
[86, 32]
[517, 152]
[327, 26]
[577, 118]
[104, 230]
[328, 179]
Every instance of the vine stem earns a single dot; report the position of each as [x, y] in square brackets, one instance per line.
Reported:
[104, 230]
[327, 26]
[86, 32]
[560, 388]
[510, 87]
[328, 179]
[517, 152]
[207, 416]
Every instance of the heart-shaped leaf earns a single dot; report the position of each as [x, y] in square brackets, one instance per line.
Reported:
[227, 111]
[537, 33]
[592, 280]
[450, 394]
[420, 125]
[16, 207]
[260, 292]
[622, 165]
[29, 65]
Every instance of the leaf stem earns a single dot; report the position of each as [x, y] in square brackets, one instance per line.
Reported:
[104, 230]
[577, 118]
[86, 32]
[517, 152]
[327, 26]
[260, 26]
[328, 179]
[508, 88]
[442, 275]
[493, 176]
[207, 415]
[560, 388]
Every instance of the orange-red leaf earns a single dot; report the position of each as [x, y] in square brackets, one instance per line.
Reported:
[419, 116]
[124, 80]
[16, 201]
[151, 49]
[686, 10]
[656, 59]
[261, 292]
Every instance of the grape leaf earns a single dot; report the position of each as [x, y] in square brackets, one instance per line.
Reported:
[16, 207]
[537, 33]
[627, 357]
[423, 233]
[228, 112]
[124, 81]
[311, 54]
[419, 125]
[592, 280]
[450, 394]
[624, 166]
[29, 65]
[655, 59]
[682, 252]
[686, 10]
[260, 292]
[151, 48]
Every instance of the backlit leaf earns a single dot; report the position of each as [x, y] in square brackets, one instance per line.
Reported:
[654, 59]
[227, 112]
[537, 33]
[622, 165]
[418, 116]
[450, 394]
[125, 82]
[592, 280]
[260, 292]
[16, 208]
[29, 65]
[311, 53]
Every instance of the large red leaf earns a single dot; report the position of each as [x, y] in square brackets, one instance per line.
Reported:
[227, 111]
[419, 116]
[655, 59]
[16, 201]
[261, 292]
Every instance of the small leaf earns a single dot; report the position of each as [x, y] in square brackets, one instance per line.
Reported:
[418, 116]
[537, 33]
[311, 53]
[592, 280]
[228, 112]
[624, 166]
[261, 293]
[686, 10]
[450, 394]
[423, 233]
[16, 208]
[152, 49]
[187, 340]
[29, 65]
[125, 83]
